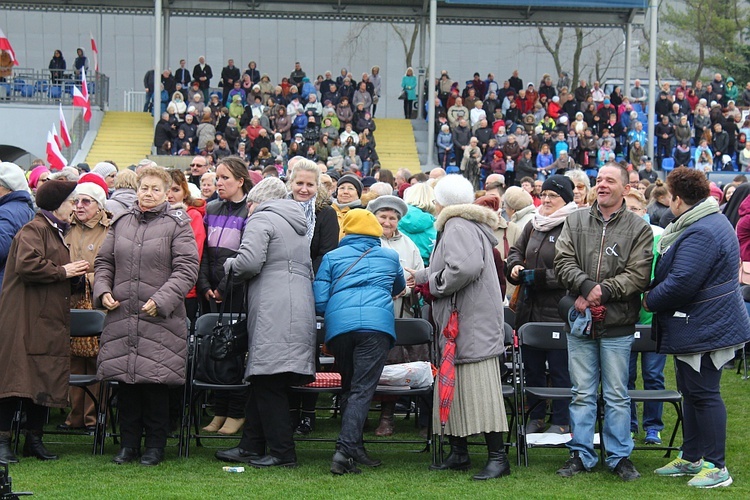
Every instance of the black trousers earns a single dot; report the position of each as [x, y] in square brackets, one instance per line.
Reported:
[144, 407]
[35, 414]
[267, 419]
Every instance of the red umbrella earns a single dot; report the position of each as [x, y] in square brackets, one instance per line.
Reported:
[447, 371]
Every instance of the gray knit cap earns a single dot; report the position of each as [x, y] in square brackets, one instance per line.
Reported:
[270, 188]
[104, 169]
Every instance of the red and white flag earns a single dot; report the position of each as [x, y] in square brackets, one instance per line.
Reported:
[64, 134]
[81, 98]
[94, 51]
[56, 136]
[54, 157]
[5, 46]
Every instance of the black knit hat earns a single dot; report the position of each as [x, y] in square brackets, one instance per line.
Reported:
[52, 194]
[560, 185]
[354, 181]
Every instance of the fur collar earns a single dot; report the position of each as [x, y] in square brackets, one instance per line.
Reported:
[470, 212]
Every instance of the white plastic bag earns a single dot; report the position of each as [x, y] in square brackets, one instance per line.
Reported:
[416, 375]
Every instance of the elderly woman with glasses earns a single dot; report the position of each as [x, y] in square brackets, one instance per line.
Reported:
[581, 187]
[530, 266]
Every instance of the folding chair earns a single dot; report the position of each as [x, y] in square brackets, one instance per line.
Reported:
[83, 323]
[547, 336]
[644, 343]
[510, 394]
[204, 325]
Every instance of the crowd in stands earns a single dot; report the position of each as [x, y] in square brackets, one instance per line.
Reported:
[517, 130]
[328, 119]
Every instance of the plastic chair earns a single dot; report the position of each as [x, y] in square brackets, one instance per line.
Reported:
[18, 84]
[55, 92]
[667, 164]
[27, 91]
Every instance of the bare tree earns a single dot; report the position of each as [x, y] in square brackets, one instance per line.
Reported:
[403, 34]
[358, 36]
[554, 51]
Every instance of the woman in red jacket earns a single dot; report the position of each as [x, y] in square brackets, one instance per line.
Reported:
[179, 197]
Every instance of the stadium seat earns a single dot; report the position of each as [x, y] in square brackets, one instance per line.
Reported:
[667, 164]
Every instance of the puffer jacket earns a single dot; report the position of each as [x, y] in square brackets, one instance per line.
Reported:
[535, 250]
[16, 209]
[361, 299]
[695, 293]
[146, 255]
[274, 262]
[463, 264]
[121, 201]
[225, 222]
[616, 254]
[419, 227]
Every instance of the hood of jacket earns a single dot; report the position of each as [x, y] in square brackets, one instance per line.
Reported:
[17, 196]
[289, 210]
[744, 207]
[416, 220]
[486, 218]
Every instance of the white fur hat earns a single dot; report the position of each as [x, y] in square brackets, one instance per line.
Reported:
[454, 189]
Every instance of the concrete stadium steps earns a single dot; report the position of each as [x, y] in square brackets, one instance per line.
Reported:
[124, 138]
[396, 146]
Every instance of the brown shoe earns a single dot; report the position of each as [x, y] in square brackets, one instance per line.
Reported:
[215, 424]
[386, 426]
[232, 426]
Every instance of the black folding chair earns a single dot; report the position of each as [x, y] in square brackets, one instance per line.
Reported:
[83, 323]
[510, 393]
[644, 343]
[195, 387]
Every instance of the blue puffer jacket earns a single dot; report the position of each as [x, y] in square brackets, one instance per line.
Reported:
[362, 300]
[16, 210]
[696, 294]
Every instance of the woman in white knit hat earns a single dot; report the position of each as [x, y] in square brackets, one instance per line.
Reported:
[461, 275]
[88, 228]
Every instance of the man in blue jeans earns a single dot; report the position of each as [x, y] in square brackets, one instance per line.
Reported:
[354, 287]
[603, 257]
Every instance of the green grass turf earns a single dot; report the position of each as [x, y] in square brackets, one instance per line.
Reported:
[78, 474]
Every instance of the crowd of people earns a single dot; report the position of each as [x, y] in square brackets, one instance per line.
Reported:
[488, 127]
[152, 246]
[329, 119]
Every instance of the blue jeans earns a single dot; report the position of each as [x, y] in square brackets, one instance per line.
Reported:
[360, 357]
[652, 373]
[588, 360]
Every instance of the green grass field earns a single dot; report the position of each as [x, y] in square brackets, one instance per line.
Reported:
[404, 473]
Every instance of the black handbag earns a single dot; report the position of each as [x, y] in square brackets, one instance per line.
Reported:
[229, 339]
[222, 353]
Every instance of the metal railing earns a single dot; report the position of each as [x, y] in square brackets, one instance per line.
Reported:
[77, 131]
[33, 86]
[134, 100]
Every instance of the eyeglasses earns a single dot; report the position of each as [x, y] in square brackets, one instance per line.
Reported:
[550, 196]
[197, 164]
[82, 201]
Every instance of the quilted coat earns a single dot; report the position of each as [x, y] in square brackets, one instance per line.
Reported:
[361, 299]
[696, 294]
[35, 317]
[274, 262]
[16, 209]
[147, 255]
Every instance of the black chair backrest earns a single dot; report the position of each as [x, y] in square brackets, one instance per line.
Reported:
[320, 328]
[510, 317]
[642, 341]
[205, 324]
[413, 331]
[549, 336]
[745, 289]
[508, 337]
[86, 322]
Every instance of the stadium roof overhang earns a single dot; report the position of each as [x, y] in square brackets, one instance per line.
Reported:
[588, 13]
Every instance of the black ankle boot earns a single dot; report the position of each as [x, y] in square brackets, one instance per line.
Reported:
[6, 450]
[33, 447]
[458, 459]
[497, 459]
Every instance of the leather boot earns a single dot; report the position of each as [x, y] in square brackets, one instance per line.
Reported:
[6, 450]
[33, 447]
[386, 425]
[458, 459]
[497, 459]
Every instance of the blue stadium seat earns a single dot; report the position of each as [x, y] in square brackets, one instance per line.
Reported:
[18, 84]
[27, 91]
[55, 91]
[637, 107]
[41, 85]
[667, 164]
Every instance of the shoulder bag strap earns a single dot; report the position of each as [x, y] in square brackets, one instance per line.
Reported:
[350, 268]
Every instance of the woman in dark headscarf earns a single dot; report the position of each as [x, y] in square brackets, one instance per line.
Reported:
[732, 208]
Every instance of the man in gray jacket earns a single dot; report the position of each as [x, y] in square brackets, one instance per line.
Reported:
[603, 258]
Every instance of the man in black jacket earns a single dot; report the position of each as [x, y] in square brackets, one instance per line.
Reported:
[229, 75]
[202, 74]
[165, 131]
[664, 132]
[182, 75]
